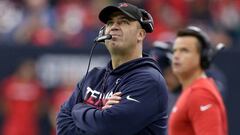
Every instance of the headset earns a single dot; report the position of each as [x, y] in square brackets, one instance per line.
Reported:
[146, 21]
[206, 50]
[101, 35]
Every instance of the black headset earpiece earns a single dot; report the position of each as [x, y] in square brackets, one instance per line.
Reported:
[206, 56]
[147, 21]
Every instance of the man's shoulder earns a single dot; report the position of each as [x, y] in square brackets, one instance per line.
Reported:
[148, 72]
[147, 76]
[204, 83]
[205, 88]
[97, 70]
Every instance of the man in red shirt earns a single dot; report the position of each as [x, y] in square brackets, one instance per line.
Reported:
[22, 97]
[200, 109]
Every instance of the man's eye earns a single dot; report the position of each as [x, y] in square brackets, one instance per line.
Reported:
[185, 50]
[109, 23]
[125, 21]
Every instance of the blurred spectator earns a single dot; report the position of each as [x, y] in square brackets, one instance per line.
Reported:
[37, 24]
[70, 17]
[10, 17]
[229, 14]
[200, 13]
[22, 99]
[167, 18]
[215, 17]
[59, 96]
[229, 19]
[76, 21]
[161, 52]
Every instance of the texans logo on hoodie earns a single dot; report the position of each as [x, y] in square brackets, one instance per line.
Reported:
[96, 98]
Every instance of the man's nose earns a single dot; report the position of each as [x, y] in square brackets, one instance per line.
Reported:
[115, 26]
[176, 55]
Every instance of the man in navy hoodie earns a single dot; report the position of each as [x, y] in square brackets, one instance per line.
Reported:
[129, 95]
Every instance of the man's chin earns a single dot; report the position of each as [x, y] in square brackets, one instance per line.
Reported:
[177, 71]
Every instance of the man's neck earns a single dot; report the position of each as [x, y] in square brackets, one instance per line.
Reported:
[118, 60]
[188, 79]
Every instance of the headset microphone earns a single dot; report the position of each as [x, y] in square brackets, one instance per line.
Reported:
[100, 39]
[219, 47]
[214, 51]
[103, 38]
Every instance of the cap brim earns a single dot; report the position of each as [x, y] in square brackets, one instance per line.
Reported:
[107, 11]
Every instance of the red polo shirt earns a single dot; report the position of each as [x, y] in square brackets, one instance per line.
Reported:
[199, 111]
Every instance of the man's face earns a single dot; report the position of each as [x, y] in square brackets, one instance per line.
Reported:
[125, 33]
[186, 56]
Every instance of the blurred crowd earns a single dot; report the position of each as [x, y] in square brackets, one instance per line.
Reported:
[74, 23]
[27, 107]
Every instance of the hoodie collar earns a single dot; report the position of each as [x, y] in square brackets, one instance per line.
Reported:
[133, 64]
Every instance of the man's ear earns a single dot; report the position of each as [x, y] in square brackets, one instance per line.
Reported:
[141, 35]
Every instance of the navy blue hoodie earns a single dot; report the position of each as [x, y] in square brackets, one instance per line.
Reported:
[141, 111]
